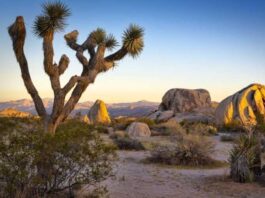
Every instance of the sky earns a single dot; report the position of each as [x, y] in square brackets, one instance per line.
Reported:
[218, 45]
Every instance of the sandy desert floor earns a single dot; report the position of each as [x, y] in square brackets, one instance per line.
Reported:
[137, 179]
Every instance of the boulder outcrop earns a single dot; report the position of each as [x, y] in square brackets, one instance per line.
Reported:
[138, 129]
[191, 105]
[242, 107]
[98, 113]
[185, 100]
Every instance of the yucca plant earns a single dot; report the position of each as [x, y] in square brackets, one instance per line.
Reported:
[245, 159]
[52, 20]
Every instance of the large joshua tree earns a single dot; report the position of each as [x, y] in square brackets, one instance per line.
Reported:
[52, 20]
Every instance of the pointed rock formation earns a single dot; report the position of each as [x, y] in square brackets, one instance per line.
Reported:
[242, 107]
[98, 113]
[85, 119]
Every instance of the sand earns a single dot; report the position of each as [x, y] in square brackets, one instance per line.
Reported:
[136, 179]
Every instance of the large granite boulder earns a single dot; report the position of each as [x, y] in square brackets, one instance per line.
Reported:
[98, 113]
[242, 107]
[191, 105]
[161, 116]
[185, 100]
[138, 129]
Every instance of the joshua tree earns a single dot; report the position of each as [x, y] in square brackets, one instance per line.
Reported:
[52, 20]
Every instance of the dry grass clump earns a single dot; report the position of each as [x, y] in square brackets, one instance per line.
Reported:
[199, 128]
[227, 138]
[234, 126]
[124, 142]
[121, 123]
[127, 143]
[147, 121]
[190, 150]
[170, 128]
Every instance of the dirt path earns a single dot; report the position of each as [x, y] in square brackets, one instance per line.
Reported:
[135, 179]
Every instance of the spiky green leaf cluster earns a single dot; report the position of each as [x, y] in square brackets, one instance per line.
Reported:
[245, 145]
[52, 19]
[100, 37]
[111, 42]
[133, 40]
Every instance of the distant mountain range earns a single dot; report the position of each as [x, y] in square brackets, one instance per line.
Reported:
[134, 109]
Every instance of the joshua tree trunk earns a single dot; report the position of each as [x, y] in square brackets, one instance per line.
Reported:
[96, 44]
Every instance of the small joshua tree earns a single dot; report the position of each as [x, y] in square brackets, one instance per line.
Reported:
[52, 20]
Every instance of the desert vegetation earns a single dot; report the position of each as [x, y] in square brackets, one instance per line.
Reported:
[186, 150]
[245, 157]
[185, 146]
[36, 164]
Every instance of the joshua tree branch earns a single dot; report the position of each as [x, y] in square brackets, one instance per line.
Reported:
[118, 55]
[63, 64]
[71, 39]
[72, 82]
[90, 46]
[17, 32]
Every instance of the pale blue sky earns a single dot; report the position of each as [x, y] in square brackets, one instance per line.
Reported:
[218, 45]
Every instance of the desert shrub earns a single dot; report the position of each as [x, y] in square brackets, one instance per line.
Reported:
[227, 138]
[127, 143]
[99, 192]
[169, 128]
[16, 124]
[119, 134]
[36, 164]
[147, 121]
[102, 129]
[245, 159]
[234, 126]
[260, 127]
[192, 150]
[121, 123]
[200, 129]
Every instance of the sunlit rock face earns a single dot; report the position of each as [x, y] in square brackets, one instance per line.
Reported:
[9, 112]
[242, 107]
[185, 100]
[98, 113]
[84, 119]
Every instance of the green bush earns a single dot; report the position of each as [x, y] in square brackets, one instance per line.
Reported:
[35, 164]
[191, 150]
[102, 129]
[16, 124]
[127, 143]
[245, 159]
